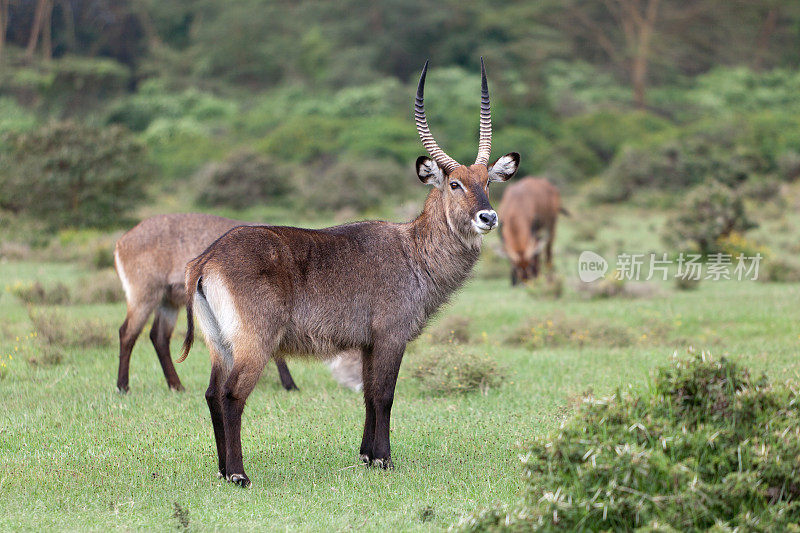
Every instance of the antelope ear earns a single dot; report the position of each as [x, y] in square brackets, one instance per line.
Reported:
[428, 172]
[504, 168]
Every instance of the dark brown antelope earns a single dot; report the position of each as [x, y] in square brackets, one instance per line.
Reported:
[529, 211]
[261, 291]
[150, 260]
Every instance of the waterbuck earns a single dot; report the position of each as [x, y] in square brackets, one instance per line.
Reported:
[261, 291]
[150, 260]
[529, 210]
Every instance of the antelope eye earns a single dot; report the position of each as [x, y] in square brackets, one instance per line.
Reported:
[454, 185]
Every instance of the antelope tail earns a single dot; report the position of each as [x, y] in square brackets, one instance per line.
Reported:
[193, 281]
[564, 211]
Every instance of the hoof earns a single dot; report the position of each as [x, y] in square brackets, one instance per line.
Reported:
[122, 389]
[239, 479]
[220, 475]
[176, 388]
[384, 464]
[365, 459]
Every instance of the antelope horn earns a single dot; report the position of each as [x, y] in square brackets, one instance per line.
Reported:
[485, 142]
[447, 163]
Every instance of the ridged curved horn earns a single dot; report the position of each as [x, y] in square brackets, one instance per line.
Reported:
[485, 142]
[447, 163]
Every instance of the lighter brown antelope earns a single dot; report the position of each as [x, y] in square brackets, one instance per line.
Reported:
[529, 210]
[150, 260]
[261, 291]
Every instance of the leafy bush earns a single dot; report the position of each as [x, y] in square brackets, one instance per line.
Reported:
[15, 118]
[352, 184]
[180, 146]
[711, 212]
[714, 151]
[69, 174]
[454, 329]
[55, 328]
[780, 270]
[244, 179]
[561, 330]
[154, 100]
[102, 287]
[704, 447]
[549, 285]
[605, 131]
[38, 294]
[450, 369]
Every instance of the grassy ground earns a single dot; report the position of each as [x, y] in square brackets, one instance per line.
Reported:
[76, 455]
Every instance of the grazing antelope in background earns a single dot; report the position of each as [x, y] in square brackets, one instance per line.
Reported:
[529, 210]
[150, 260]
[261, 291]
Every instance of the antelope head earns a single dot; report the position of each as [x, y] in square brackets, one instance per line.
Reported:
[464, 189]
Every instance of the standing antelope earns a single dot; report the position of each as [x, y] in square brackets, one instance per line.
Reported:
[265, 290]
[150, 260]
[529, 210]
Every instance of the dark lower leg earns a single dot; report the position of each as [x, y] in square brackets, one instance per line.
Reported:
[535, 266]
[386, 365]
[215, 408]
[369, 418]
[163, 325]
[286, 377]
[232, 408]
[127, 338]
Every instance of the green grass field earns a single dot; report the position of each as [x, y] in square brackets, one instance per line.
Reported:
[74, 454]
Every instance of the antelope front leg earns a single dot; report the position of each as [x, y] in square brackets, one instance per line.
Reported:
[385, 367]
[369, 407]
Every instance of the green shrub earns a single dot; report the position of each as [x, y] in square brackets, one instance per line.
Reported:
[37, 294]
[711, 212]
[56, 329]
[244, 179]
[69, 174]
[780, 270]
[303, 138]
[14, 117]
[451, 369]
[454, 329]
[707, 151]
[180, 146]
[154, 100]
[562, 330]
[705, 447]
[605, 131]
[353, 184]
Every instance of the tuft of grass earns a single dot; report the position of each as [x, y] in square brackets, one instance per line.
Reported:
[54, 328]
[454, 329]
[181, 515]
[706, 446]
[780, 270]
[37, 294]
[550, 286]
[451, 369]
[685, 283]
[560, 330]
[102, 287]
[48, 355]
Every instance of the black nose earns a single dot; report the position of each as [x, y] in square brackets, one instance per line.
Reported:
[490, 219]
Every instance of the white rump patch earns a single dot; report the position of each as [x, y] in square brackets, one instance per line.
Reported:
[126, 285]
[217, 315]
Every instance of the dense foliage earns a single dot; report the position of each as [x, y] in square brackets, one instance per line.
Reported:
[632, 101]
[707, 446]
[69, 174]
